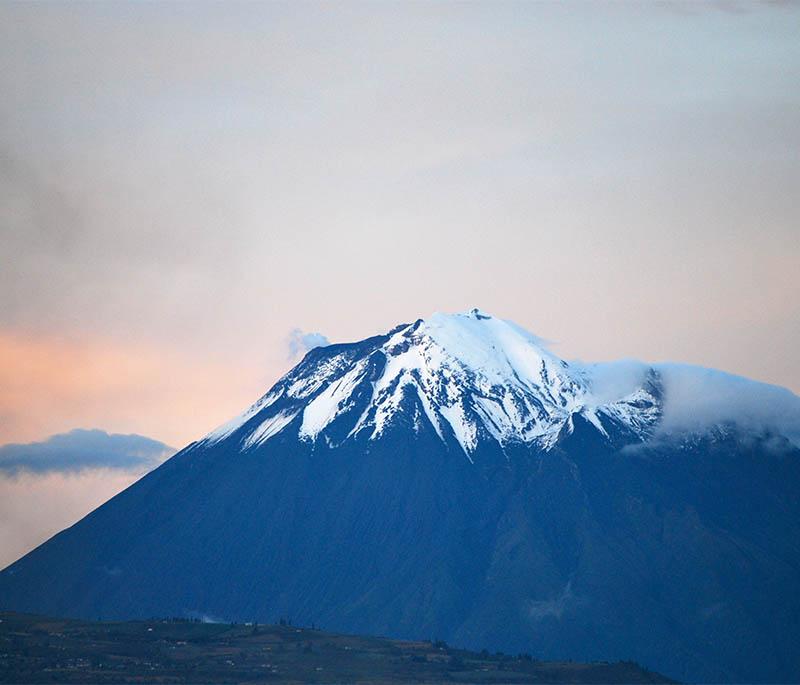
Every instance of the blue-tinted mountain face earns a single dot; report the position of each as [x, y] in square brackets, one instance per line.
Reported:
[454, 479]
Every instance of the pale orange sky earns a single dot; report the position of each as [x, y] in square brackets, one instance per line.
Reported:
[183, 184]
[50, 385]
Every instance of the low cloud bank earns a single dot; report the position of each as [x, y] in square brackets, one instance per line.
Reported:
[696, 397]
[301, 342]
[80, 450]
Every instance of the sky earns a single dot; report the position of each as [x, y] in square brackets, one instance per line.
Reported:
[190, 192]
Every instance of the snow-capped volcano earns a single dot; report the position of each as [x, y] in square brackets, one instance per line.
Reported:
[455, 478]
[471, 377]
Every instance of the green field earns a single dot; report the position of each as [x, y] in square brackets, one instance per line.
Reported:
[34, 649]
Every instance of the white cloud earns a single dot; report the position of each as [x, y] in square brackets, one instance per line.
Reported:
[301, 342]
[612, 381]
[696, 397]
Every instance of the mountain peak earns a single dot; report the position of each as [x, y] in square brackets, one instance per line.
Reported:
[491, 345]
[476, 313]
[469, 377]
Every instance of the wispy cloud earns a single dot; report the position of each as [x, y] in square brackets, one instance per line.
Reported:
[301, 342]
[80, 450]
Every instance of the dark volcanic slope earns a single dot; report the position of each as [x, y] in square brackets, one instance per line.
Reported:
[682, 555]
[45, 650]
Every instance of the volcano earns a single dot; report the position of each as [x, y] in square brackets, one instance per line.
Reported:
[454, 479]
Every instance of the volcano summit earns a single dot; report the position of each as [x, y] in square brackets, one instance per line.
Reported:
[455, 479]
